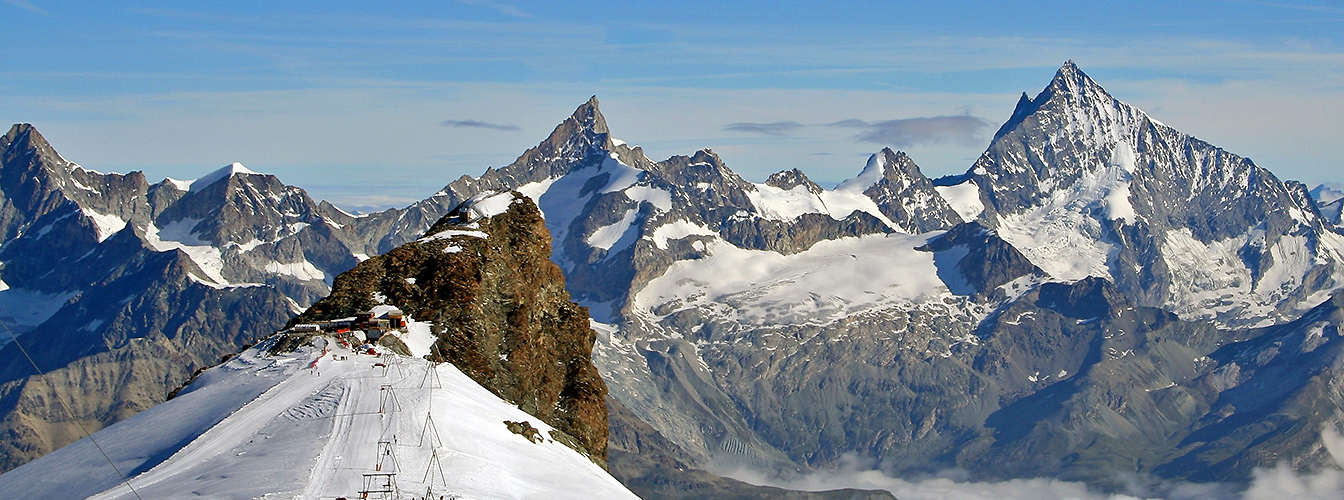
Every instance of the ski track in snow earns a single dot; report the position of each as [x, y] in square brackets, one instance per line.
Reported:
[298, 439]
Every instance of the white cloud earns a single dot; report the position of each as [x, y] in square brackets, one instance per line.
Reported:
[1283, 482]
[905, 132]
[773, 128]
[500, 7]
[27, 5]
[480, 124]
[1278, 483]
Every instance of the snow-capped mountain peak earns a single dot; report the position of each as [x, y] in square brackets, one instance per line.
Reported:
[225, 172]
[872, 172]
[903, 195]
[1325, 194]
[1074, 168]
[1069, 78]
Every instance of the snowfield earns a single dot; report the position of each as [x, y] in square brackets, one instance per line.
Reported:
[832, 280]
[311, 424]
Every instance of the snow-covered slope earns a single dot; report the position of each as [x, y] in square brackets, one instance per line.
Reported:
[823, 284]
[309, 424]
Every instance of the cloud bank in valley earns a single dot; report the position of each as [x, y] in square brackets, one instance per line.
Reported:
[1278, 483]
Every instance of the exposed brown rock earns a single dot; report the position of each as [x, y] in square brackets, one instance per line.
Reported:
[500, 311]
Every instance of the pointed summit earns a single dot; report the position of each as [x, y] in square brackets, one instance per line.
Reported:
[581, 140]
[22, 140]
[873, 172]
[789, 179]
[1073, 82]
[590, 117]
[1068, 68]
[902, 193]
[1069, 73]
[892, 166]
[1025, 107]
[21, 133]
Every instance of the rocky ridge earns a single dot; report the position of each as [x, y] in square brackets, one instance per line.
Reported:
[498, 308]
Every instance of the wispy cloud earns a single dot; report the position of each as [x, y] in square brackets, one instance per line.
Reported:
[502, 8]
[906, 132]
[776, 128]
[480, 124]
[28, 6]
[1292, 6]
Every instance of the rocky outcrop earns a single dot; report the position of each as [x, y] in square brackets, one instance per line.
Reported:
[499, 309]
[907, 197]
[971, 259]
[789, 179]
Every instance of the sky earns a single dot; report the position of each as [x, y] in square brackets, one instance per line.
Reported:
[377, 104]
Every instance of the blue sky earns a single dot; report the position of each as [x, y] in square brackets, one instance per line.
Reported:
[373, 104]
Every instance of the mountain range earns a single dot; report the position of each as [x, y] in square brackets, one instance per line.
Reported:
[1098, 295]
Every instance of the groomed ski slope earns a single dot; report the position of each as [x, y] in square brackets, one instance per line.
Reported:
[279, 427]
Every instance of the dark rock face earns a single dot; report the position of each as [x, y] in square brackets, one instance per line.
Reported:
[500, 311]
[790, 179]
[799, 234]
[1269, 398]
[972, 255]
[907, 197]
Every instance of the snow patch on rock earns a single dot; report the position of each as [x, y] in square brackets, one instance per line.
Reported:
[677, 230]
[180, 235]
[106, 225]
[223, 173]
[785, 204]
[302, 270]
[489, 204]
[443, 235]
[606, 236]
[964, 198]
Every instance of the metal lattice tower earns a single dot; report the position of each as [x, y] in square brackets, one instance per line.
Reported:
[382, 485]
